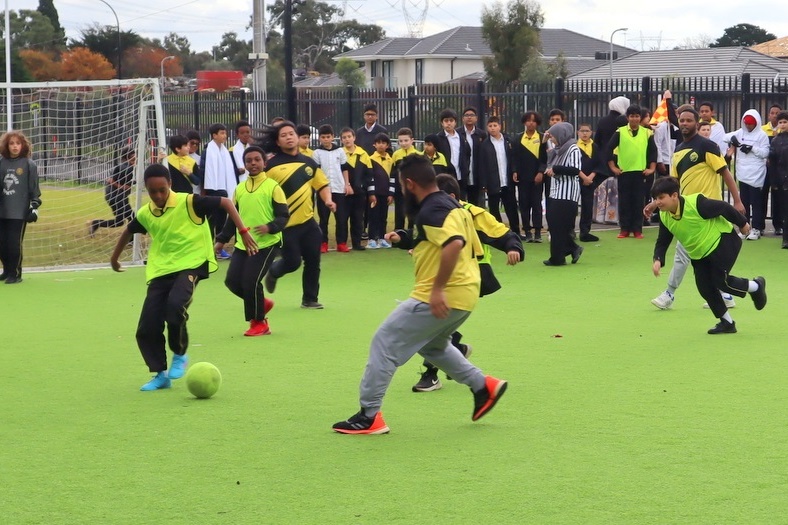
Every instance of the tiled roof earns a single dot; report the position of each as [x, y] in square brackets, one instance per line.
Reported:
[776, 48]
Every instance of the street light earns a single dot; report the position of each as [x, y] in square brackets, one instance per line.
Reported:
[163, 60]
[611, 52]
[118, 26]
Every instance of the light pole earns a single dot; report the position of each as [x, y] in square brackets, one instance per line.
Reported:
[117, 22]
[611, 52]
[163, 60]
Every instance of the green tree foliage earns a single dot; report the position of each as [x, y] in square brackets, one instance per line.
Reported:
[104, 41]
[350, 73]
[512, 32]
[743, 35]
[30, 30]
[48, 9]
[234, 51]
[18, 71]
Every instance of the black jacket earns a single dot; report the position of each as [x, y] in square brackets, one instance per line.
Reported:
[488, 165]
[465, 154]
[526, 165]
[477, 137]
[605, 129]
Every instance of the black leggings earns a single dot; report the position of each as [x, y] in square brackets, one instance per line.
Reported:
[12, 235]
[245, 276]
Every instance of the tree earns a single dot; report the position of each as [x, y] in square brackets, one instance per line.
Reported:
[144, 61]
[743, 35]
[18, 71]
[513, 36]
[40, 64]
[234, 51]
[699, 41]
[30, 30]
[80, 63]
[350, 73]
[104, 40]
[48, 9]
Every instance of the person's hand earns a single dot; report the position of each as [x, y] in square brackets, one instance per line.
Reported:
[616, 171]
[648, 172]
[538, 178]
[667, 94]
[438, 305]
[745, 148]
[662, 169]
[389, 200]
[745, 229]
[218, 246]
[116, 265]
[262, 229]
[515, 177]
[349, 189]
[734, 141]
[32, 215]
[373, 201]
[739, 207]
[546, 136]
[656, 268]
[549, 172]
[249, 243]
[392, 237]
[512, 257]
[331, 205]
[648, 210]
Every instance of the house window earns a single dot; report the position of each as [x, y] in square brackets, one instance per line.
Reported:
[388, 77]
[373, 68]
[419, 71]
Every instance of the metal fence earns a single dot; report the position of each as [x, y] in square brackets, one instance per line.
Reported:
[418, 107]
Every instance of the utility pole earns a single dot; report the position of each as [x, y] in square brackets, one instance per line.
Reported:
[260, 57]
[287, 23]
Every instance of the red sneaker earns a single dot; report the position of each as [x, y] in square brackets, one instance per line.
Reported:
[324, 247]
[342, 247]
[485, 399]
[258, 328]
[623, 235]
[639, 235]
[268, 305]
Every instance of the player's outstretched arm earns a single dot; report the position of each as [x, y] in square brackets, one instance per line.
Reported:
[123, 241]
[249, 242]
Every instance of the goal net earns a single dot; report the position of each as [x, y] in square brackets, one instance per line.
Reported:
[78, 132]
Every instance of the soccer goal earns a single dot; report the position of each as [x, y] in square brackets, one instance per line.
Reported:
[78, 132]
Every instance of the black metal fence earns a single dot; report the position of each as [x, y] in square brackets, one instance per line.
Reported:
[418, 107]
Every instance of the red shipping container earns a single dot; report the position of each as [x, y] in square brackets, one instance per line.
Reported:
[220, 80]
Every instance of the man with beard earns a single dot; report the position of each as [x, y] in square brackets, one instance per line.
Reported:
[445, 247]
[698, 166]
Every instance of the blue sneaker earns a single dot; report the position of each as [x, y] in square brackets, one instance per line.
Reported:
[223, 255]
[383, 243]
[372, 245]
[158, 382]
[178, 366]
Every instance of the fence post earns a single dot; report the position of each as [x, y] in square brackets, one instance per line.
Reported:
[746, 90]
[244, 110]
[480, 101]
[349, 93]
[197, 110]
[412, 108]
[559, 93]
[78, 139]
[646, 93]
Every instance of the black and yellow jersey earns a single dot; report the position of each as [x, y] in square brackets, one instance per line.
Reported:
[360, 173]
[439, 163]
[383, 183]
[441, 219]
[697, 164]
[299, 176]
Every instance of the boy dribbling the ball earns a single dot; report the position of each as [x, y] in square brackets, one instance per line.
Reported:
[180, 255]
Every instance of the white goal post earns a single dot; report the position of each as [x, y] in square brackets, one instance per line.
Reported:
[78, 132]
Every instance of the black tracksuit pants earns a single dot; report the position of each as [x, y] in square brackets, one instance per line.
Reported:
[245, 279]
[711, 274]
[630, 201]
[12, 235]
[561, 215]
[340, 217]
[301, 241]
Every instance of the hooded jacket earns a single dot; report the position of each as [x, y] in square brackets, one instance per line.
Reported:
[751, 167]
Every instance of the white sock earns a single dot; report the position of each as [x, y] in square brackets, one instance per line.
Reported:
[752, 287]
[727, 317]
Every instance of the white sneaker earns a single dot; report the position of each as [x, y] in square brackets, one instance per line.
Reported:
[372, 245]
[383, 243]
[729, 302]
[663, 301]
[754, 235]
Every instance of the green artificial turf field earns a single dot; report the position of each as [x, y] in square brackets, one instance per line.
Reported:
[615, 413]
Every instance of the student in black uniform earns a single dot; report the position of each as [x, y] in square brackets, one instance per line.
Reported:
[184, 171]
[116, 193]
[365, 135]
[496, 170]
[590, 179]
[438, 159]
[360, 174]
[530, 157]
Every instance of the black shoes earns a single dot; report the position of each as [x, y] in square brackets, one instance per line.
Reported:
[588, 237]
[723, 327]
[576, 254]
[269, 282]
[548, 262]
[312, 305]
[361, 424]
[759, 295]
[12, 279]
[527, 237]
[429, 381]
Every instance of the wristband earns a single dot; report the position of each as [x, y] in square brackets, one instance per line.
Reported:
[245, 230]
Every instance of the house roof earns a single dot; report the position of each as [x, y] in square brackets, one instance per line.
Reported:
[468, 42]
[715, 61]
[775, 48]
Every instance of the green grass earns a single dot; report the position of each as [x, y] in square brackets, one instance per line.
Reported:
[632, 415]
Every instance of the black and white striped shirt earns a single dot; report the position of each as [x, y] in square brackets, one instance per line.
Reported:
[566, 180]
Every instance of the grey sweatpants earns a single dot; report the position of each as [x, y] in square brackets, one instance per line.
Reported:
[681, 262]
[410, 329]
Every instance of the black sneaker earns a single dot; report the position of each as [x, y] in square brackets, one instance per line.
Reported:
[364, 236]
[588, 237]
[576, 254]
[429, 381]
[723, 327]
[485, 399]
[13, 279]
[361, 424]
[528, 237]
[312, 305]
[759, 295]
[538, 237]
[269, 282]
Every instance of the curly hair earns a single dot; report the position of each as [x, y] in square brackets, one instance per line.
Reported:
[13, 134]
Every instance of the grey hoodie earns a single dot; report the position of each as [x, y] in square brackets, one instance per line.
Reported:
[19, 189]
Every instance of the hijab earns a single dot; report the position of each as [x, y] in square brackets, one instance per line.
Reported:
[564, 134]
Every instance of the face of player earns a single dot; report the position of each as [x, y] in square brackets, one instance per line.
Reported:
[194, 145]
[244, 134]
[132, 160]
[705, 113]
[667, 202]
[158, 190]
[584, 133]
[405, 141]
[370, 117]
[688, 125]
[555, 119]
[183, 150]
[645, 119]
[704, 131]
[773, 112]
[782, 125]
[326, 140]
[254, 163]
[410, 202]
[634, 120]
[448, 125]
[429, 149]
[348, 140]
[469, 119]
[750, 127]
[494, 129]
[287, 140]
[303, 141]
[531, 125]
[14, 147]
[220, 137]
[381, 147]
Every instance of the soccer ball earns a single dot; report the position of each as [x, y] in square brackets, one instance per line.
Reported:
[203, 380]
